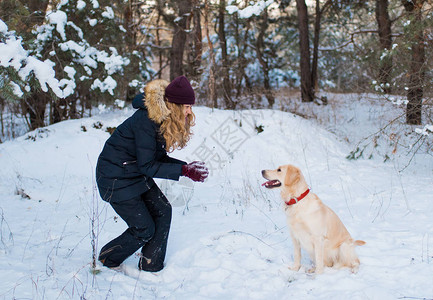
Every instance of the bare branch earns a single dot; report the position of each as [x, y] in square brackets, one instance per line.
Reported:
[352, 40]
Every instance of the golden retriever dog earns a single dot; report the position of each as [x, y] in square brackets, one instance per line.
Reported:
[313, 225]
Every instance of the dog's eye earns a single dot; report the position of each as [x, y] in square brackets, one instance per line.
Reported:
[279, 170]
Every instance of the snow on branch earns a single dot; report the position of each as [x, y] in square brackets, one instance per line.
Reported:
[56, 33]
[13, 55]
[427, 130]
[352, 39]
[249, 11]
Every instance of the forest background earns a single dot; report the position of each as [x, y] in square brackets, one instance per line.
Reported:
[323, 82]
[60, 59]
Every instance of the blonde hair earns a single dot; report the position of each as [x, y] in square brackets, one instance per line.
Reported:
[176, 129]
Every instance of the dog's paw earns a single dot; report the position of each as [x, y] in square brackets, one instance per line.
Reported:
[295, 268]
[355, 268]
[315, 270]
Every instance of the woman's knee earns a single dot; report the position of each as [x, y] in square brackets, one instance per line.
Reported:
[143, 234]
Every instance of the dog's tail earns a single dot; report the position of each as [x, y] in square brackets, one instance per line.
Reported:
[359, 243]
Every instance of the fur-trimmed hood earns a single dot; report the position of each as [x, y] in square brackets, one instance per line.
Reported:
[153, 100]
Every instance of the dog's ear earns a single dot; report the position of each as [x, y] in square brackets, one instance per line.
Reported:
[293, 175]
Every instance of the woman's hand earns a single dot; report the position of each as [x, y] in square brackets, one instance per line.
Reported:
[196, 170]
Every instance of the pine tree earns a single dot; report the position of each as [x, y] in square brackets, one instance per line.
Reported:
[82, 38]
[22, 72]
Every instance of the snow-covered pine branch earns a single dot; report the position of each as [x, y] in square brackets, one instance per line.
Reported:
[248, 11]
[70, 43]
[14, 58]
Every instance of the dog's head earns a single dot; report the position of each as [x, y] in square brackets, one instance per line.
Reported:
[286, 176]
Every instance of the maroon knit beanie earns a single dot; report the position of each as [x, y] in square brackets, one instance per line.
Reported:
[180, 91]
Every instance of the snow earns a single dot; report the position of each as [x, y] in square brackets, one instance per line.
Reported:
[68, 85]
[93, 22]
[16, 89]
[81, 4]
[58, 18]
[12, 53]
[109, 84]
[44, 72]
[229, 238]
[108, 13]
[3, 27]
[95, 4]
[425, 131]
[72, 45]
[249, 11]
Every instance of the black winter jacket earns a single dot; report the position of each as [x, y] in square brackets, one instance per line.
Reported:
[134, 155]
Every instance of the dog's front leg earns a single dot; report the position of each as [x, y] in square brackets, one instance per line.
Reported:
[296, 254]
[318, 254]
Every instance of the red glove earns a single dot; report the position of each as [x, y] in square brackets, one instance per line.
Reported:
[196, 170]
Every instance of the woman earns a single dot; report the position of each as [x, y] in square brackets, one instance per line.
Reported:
[135, 154]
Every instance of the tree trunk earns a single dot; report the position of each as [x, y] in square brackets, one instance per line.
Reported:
[385, 40]
[158, 44]
[225, 62]
[179, 39]
[417, 67]
[128, 24]
[35, 106]
[212, 102]
[59, 111]
[317, 26]
[239, 69]
[197, 49]
[260, 48]
[307, 92]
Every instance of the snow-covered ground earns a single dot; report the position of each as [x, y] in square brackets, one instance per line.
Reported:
[229, 238]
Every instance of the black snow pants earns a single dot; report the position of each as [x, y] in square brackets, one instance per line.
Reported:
[148, 218]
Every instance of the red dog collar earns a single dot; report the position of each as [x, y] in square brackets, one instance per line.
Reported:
[295, 200]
